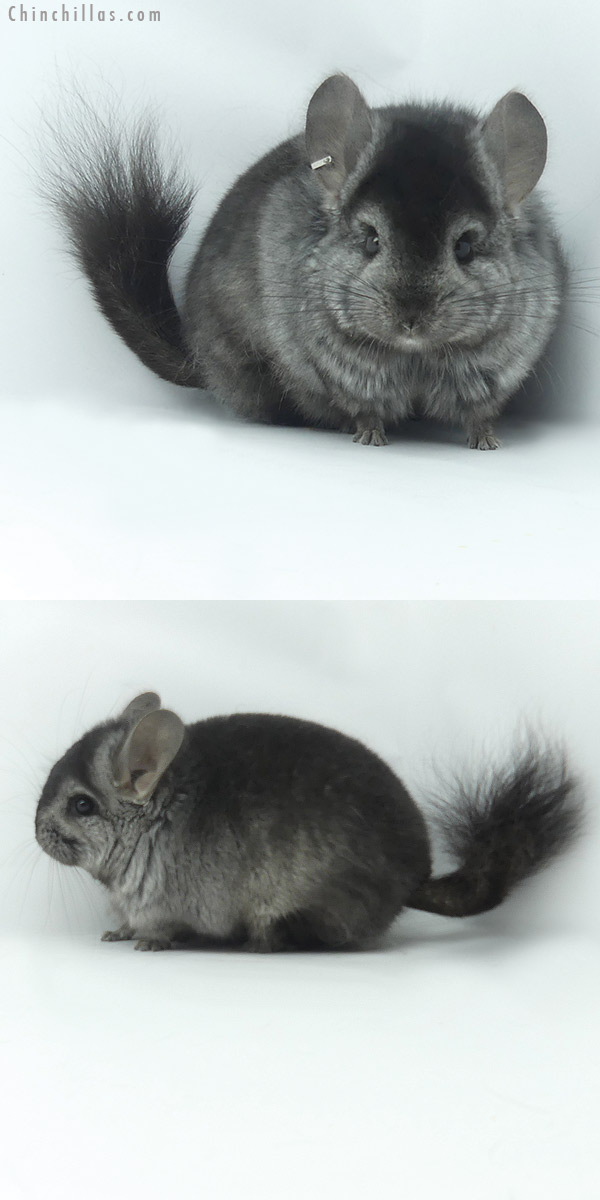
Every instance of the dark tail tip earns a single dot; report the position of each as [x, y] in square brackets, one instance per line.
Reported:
[511, 824]
[123, 214]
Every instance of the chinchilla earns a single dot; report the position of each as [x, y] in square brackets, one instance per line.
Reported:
[386, 262]
[272, 832]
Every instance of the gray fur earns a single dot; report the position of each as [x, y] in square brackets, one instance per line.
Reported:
[286, 318]
[271, 832]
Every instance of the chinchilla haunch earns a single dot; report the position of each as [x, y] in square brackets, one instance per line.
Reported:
[382, 263]
[272, 832]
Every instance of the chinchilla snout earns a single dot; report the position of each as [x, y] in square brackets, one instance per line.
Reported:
[56, 843]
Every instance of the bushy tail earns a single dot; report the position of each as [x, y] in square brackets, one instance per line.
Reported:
[503, 830]
[124, 215]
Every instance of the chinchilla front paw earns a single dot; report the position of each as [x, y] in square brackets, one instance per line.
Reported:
[483, 440]
[374, 436]
[155, 943]
[124, 934]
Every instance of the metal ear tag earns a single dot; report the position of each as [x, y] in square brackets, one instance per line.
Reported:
[321, 162]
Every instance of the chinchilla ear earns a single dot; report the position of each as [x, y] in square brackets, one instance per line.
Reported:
[515, 136]
[338, 127]
[146, 703]
[146, 753]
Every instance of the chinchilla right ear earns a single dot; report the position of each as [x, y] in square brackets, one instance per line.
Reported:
[149, 748]
[338, 127]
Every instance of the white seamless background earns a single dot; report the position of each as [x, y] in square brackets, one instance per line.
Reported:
[220, 509]
[422, 597]
[458, 1055]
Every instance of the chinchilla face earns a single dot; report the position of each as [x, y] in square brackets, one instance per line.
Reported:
[97, 799]
[418, 257]
[423, 204]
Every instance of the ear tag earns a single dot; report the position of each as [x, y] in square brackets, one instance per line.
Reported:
[321, 162]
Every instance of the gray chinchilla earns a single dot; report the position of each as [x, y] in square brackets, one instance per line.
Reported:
[272, 832]
[385, 262]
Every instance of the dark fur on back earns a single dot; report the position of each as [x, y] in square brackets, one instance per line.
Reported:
[277, 831]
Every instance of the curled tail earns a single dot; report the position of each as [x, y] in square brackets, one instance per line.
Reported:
[502, 831]
[124, 215]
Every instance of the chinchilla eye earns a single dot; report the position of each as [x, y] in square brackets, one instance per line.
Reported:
[84, 806]
[371, 243]
[463, 248]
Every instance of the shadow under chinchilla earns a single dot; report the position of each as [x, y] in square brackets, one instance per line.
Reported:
[498, 934]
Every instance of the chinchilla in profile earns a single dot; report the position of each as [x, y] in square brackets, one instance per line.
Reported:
[273, 832]
[384, 262]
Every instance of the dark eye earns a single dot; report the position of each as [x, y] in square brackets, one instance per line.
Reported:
[371, 243]
[463, 248]
[84, 806]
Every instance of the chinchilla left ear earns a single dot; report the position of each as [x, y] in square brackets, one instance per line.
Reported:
[149, 748]
[515, 137]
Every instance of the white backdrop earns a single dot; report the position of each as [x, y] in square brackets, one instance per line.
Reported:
[460, 1058]
[113, 482]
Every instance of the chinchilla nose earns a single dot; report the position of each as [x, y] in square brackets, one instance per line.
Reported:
[411, 317]
[411, 311]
